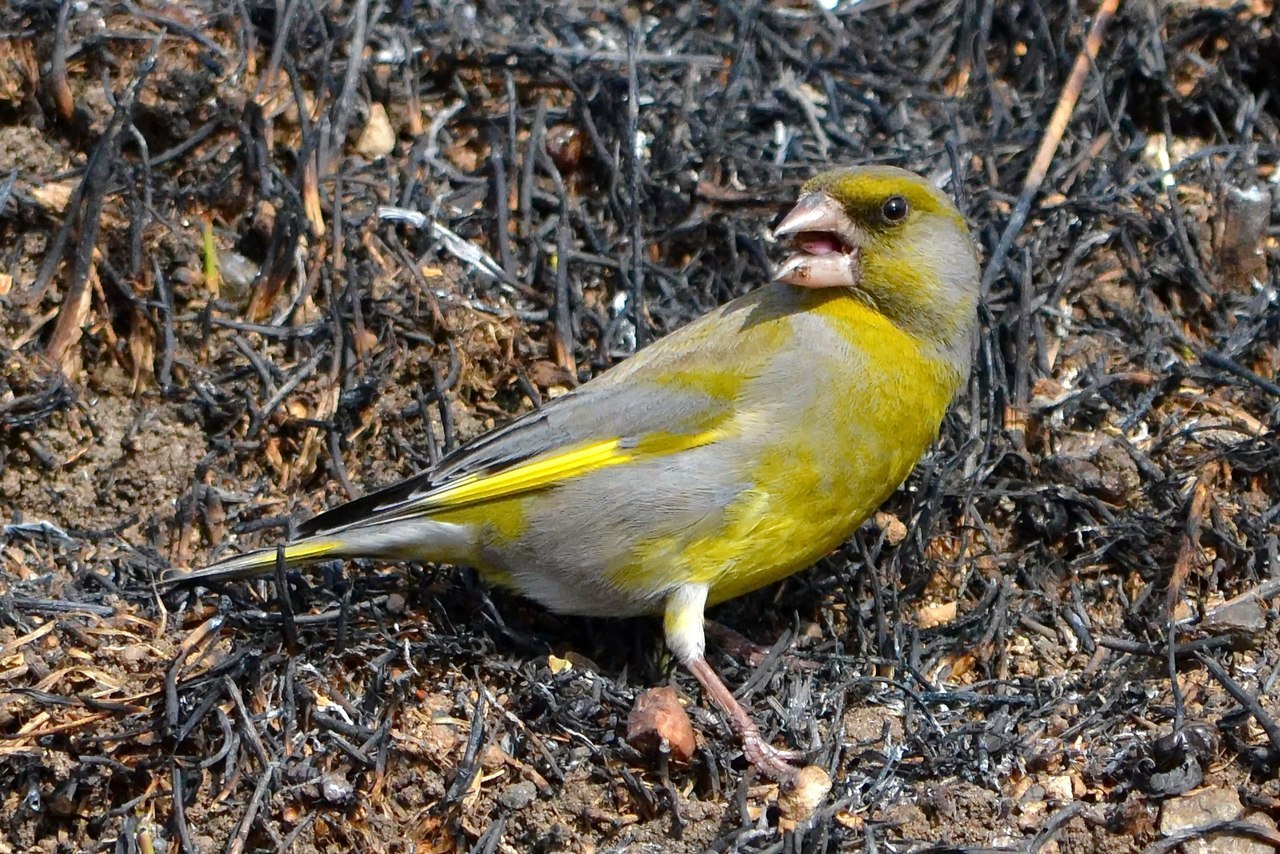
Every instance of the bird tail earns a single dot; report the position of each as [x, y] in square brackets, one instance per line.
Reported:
[392, 538]
[261, 562]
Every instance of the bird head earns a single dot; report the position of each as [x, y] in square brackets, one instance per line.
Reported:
[892, 239]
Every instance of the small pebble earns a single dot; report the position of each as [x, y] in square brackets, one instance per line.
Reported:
[801, 795]
[336, 789]
[517, 796]
[378, 138]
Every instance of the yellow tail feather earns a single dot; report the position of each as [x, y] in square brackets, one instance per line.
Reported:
[261, 562]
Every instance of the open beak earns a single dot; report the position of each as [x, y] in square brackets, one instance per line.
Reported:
[826, 243]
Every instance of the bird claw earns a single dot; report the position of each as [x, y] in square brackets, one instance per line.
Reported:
[773, 762]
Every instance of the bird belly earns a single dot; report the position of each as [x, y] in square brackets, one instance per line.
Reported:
[812, 490]
[775, 533]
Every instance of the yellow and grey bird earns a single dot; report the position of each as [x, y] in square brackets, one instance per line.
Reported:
[725, 456]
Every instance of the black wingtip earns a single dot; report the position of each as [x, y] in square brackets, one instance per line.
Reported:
[364, 508]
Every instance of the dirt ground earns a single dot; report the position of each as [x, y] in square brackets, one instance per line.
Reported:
[258, 258]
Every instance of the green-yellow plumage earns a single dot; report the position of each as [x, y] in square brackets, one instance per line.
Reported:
[731, 453]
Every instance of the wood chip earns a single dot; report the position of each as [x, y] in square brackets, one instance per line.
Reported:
[659, 724]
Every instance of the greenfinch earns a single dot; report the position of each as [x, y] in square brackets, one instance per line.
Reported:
[729, 454]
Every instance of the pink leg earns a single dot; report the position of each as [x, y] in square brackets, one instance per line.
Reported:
[780, 765]
[683, 623]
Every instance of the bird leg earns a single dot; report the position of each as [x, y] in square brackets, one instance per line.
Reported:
[683, 625]
[778, 764]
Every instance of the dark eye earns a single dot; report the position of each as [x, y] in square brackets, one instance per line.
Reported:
[895, 209]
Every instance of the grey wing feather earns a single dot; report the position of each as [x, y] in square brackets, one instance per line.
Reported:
[587, 414]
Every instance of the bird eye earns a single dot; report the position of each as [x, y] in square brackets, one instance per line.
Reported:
[895, 209]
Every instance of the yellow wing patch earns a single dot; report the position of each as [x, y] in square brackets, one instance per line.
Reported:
[535, 474]
[308, 550]
[542, 472]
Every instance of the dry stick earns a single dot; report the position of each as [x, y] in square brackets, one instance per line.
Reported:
[501, 197]
[1200, 494]
[1054, 824]
[56, 81]
[563, 311]
[588, 56]
[1052, 137]
[355, 67]
[190, 642]
[1259, 595]
[633, 182]
[1246, 700]
[247, 729]
[302, 827]
[1218, 360]
[6, 188]
[288, 628]
[179, 815]
[92, 195]
[74, 311]
[468, 767]
[528, 174]
[240, 838]
[1232, 829]
[280, 41]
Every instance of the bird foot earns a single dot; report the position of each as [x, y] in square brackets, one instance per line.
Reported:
[774, 762]
[777, 764]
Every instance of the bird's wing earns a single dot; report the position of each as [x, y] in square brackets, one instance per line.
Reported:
[584, 431]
